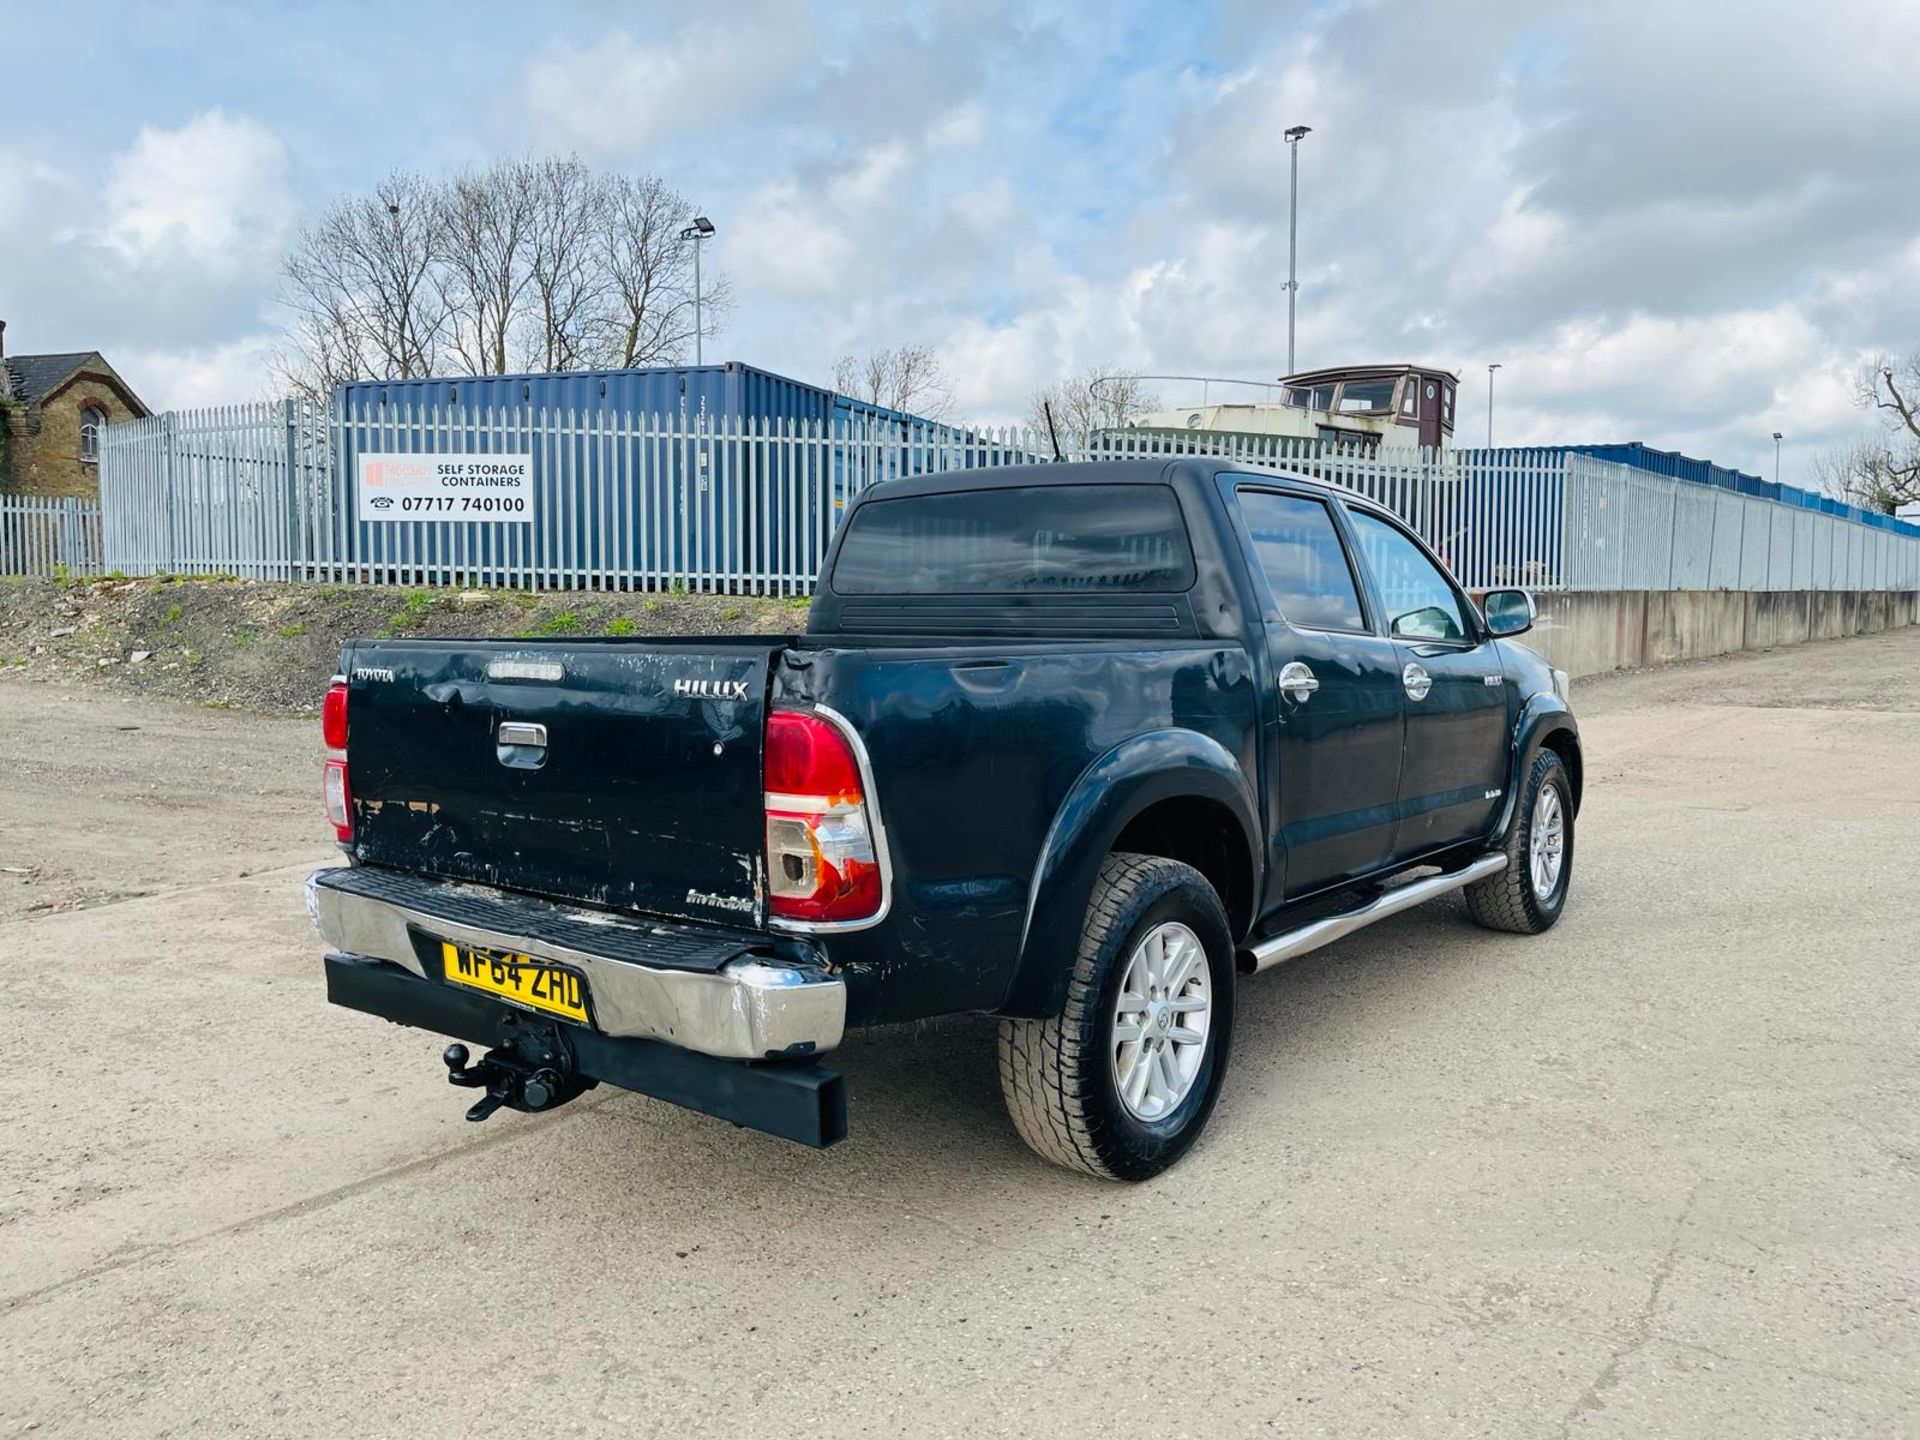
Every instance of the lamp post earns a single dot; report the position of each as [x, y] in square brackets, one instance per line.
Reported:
[1293, 138]
[1776, 459]
[1490, 369]
[701, 229]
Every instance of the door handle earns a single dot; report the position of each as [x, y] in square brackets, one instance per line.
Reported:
[1416, 680]
[1297, 682]
[520, 732]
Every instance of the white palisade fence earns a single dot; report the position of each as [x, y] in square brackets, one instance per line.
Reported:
[624, 501]
[49, 536]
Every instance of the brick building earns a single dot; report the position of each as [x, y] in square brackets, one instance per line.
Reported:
[54, 409]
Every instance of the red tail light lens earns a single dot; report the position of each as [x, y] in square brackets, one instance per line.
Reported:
[333, 778]
[333, 717]
[822, 858]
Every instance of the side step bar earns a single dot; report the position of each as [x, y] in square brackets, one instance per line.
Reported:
[1289, 944]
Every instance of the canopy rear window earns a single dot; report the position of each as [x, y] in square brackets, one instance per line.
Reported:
[1025, 540]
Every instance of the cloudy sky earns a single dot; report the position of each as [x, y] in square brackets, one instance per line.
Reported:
[1679, 223]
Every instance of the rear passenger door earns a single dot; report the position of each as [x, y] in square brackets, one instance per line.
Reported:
[1455, 686]
[1332, 722]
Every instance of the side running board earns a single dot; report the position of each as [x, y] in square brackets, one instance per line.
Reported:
[1285, 946]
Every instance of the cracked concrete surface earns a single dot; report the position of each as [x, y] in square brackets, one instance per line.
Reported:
[1656, 1173]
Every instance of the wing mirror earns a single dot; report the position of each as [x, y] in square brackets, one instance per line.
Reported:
[1508, 612]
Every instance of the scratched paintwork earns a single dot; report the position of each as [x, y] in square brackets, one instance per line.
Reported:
[642, 799]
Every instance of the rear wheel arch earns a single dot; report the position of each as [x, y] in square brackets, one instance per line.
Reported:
[1202, 832]
[1159, 789]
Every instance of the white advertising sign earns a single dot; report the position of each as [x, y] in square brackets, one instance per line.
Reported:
[446, 487]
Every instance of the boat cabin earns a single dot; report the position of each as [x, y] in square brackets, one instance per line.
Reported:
[1370, 407]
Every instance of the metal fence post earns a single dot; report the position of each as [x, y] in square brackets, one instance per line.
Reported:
[168, 562]
[1673, 534]
[289, 489]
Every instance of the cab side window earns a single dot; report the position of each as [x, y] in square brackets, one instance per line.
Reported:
[1304, 562]
[1421, 603]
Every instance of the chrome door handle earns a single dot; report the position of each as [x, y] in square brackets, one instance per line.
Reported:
[1416, 680]
[1297, 682]
[520, 732]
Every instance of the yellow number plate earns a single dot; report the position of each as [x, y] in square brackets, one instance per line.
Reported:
[529, 982]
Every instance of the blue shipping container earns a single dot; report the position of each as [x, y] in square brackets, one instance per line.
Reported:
[1704, 472]
[700, 506]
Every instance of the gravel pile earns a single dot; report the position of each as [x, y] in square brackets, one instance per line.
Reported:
[259, 645]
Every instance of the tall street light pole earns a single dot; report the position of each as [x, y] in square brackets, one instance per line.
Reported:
[1293, 136]
[701, 229]
[1776, 459]
[1490, 369]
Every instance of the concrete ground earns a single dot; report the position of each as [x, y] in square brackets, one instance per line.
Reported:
[1655, 1174]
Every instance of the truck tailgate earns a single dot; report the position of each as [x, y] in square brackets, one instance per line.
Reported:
[618, 773]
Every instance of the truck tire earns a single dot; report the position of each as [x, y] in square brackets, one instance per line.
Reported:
[1081, 1092]
[1528, 896]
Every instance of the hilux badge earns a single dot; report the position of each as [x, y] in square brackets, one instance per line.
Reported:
[711, 689]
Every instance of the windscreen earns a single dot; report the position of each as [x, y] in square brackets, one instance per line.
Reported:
[1033, 539]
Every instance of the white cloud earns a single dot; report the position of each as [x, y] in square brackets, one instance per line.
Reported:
[785, 241]
[618, 94]
[213, 192]
[28, 187]
[964, 125]
[223, 374]
[871, 177]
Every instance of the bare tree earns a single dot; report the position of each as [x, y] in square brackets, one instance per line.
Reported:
[1881, 472]
[1871, 474]
[1102, 397]
[485, 222]
[906, 377]
[568, 281]
[647, 313]
[362, 282]
[535, 265]
[1893, 466]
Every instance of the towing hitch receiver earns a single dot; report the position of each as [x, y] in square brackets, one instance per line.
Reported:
[532, 1069]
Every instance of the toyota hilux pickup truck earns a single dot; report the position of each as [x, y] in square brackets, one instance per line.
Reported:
[1082, 747]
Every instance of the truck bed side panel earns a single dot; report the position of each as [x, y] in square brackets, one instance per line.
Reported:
[974, 748]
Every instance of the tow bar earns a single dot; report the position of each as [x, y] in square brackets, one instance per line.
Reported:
[794, 1099]
[531, 1069]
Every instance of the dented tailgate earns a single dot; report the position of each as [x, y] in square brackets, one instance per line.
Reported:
[618, 773]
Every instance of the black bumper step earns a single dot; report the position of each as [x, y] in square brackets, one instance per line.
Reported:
[794, 1100]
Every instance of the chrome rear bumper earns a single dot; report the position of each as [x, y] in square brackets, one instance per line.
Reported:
[749, 1007]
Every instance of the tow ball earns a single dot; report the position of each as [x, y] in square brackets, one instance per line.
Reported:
[530, 1070]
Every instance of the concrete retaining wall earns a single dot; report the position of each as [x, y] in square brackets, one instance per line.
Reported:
[1588, 631]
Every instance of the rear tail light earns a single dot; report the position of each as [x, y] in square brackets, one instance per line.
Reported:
[333, 717]
[823, 860]
[333, 775]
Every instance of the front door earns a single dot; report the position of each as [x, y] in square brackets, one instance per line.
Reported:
[1333, 732]
[1456, 692]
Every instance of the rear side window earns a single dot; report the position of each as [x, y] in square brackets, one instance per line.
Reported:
[1032, 539]
[1304, 562]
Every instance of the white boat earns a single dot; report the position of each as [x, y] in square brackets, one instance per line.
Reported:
[1370, 407]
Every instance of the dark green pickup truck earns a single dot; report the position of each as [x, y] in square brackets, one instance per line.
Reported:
[1082, 747]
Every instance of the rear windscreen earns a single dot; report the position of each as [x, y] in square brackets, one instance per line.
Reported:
[1034, 539]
